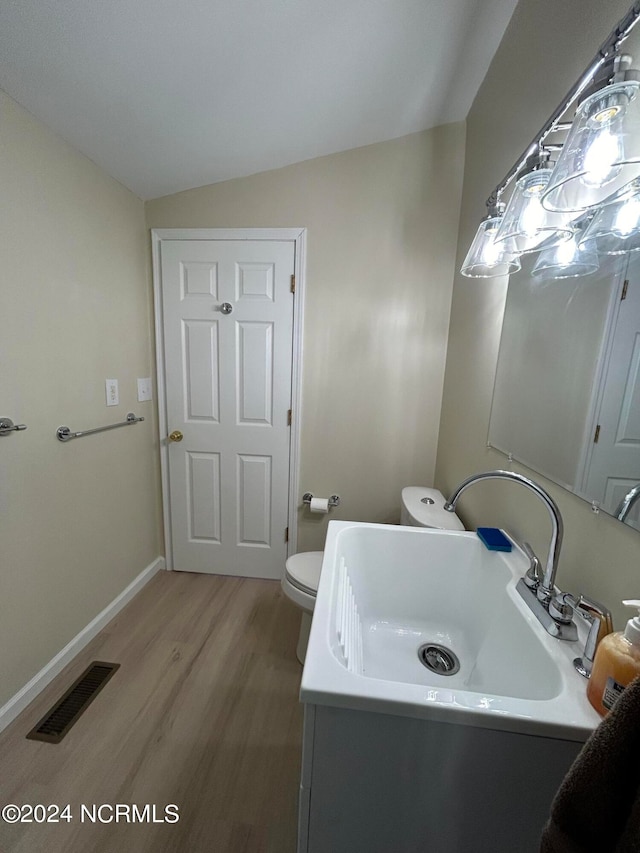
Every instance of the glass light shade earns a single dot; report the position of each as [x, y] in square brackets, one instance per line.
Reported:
[602, 151]
[526, 224]
[486, 258]
[567, 260]
[616, 227]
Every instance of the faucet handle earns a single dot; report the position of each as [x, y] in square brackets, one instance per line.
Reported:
[601, 625]
[533, 576]
[561, 607]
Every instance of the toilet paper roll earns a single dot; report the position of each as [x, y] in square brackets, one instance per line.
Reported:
[319, 505]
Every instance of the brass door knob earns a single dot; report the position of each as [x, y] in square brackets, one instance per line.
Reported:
[176, 435]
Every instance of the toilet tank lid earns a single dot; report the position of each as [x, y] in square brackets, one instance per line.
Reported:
[429, 514]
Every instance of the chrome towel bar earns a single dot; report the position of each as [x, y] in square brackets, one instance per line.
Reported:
[64, 433]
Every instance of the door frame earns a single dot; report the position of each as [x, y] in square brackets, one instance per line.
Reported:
[298, 237]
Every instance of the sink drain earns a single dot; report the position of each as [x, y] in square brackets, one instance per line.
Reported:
[438, 659]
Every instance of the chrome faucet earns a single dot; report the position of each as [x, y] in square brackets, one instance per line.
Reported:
[627, 502]
[541, 595]
[546, 589]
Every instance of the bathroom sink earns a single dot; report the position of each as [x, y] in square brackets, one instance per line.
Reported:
[451, 597]
[427, 623]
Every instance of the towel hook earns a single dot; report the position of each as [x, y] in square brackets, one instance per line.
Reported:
[7, 426]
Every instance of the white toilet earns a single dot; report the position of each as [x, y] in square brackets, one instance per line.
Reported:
[300, 584]
[420, 507]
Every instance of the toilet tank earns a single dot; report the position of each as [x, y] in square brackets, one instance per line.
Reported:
[423, 507]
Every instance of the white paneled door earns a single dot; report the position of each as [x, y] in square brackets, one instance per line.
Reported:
[227, 308]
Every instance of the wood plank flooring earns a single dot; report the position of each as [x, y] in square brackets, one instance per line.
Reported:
[203, 713]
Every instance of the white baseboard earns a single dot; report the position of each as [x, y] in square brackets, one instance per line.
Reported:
[28, 693]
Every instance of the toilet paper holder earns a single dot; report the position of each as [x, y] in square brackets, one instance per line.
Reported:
[334, 500]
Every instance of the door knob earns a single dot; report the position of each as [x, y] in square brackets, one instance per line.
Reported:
[226, 308]
[176, 435]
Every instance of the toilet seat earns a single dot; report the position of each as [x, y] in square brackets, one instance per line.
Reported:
[302, 571]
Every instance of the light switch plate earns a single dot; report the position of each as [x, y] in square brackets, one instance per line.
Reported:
[111, 387]
[144, 390]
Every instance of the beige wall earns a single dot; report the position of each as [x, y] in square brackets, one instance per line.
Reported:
[382, 223]
[544, 51]
[78, 521]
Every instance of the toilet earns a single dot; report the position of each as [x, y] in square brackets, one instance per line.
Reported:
[420, 507]
[300, 584]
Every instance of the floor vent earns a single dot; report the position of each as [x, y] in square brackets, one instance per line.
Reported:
[57, 722]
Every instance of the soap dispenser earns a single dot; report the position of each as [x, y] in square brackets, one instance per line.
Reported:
[616, 664]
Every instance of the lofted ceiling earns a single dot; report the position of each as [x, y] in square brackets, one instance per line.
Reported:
[166, 95]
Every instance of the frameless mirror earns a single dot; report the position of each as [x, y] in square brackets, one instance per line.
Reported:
[566, 399]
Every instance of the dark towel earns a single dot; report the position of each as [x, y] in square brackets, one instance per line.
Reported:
[597, 807]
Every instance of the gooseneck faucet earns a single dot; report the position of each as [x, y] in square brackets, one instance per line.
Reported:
[546, 590]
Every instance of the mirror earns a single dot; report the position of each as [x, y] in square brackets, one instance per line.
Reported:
[566, 399]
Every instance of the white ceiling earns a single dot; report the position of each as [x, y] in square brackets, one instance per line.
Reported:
[166, 95]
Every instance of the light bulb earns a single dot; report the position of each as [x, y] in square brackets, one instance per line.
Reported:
[532, 216]
[565, 252]
[627, 218]
[604, 150]
[491, 250]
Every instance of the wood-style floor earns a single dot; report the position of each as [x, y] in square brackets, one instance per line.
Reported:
[203, 713]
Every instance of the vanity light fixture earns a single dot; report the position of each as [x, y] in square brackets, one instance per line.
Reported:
[569, 259]
[602, 152]
[487, 258]
[598, 167]
[526, 224]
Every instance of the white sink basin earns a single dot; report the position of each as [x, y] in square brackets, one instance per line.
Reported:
[453, 593]
[387, 591]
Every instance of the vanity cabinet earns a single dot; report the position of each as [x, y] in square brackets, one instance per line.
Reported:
[379, 783]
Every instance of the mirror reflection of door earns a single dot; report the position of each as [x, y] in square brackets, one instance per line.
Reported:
[613, 466]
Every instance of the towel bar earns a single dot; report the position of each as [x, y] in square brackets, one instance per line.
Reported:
[64, 433]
